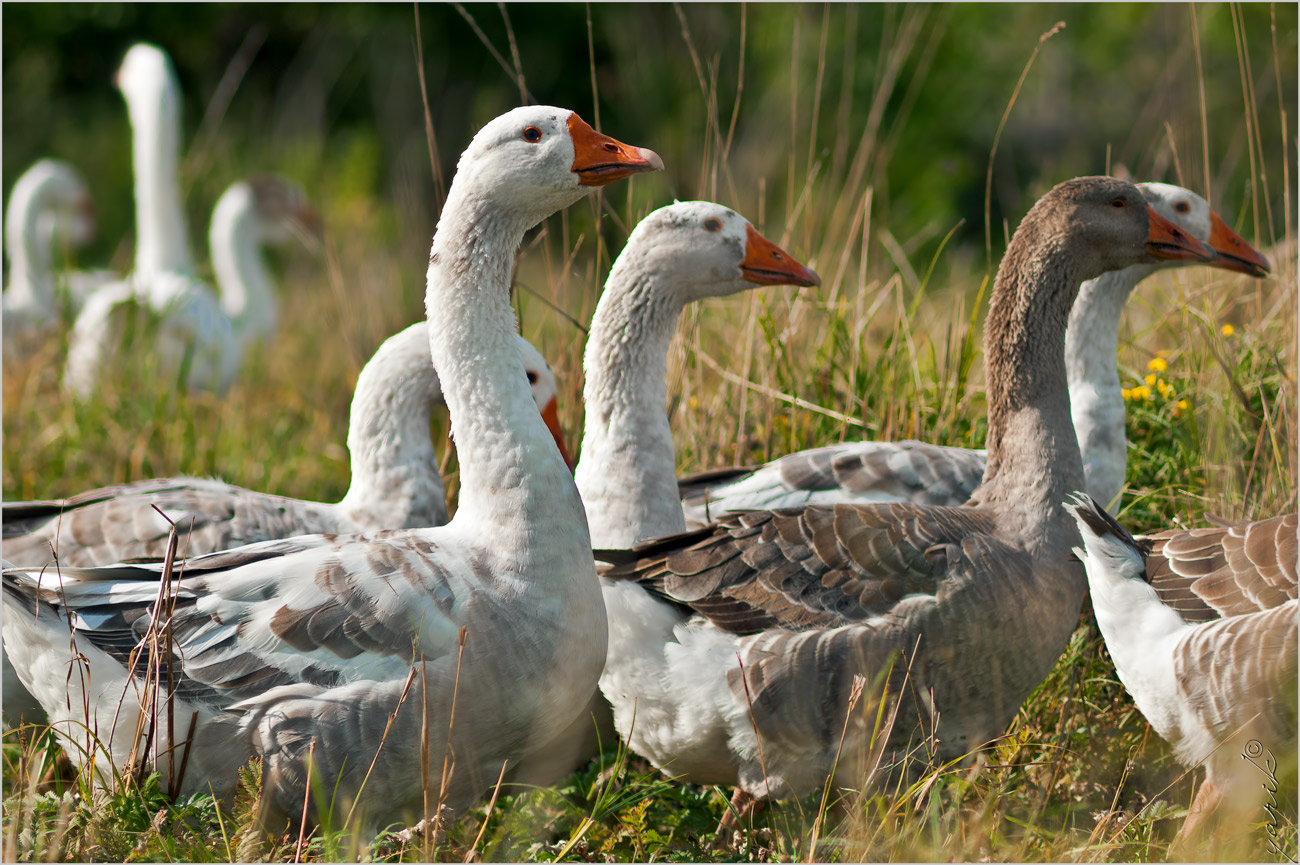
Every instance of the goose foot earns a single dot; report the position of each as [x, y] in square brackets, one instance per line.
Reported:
[742, 807]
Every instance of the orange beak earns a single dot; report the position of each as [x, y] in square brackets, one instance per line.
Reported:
[1235, 253]
[1167, 241]
[768, 264]
[551, 416]
[599, 159]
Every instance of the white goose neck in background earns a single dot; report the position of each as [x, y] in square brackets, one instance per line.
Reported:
[512, 476]
[1091, 366]
[247, 291]
[627, 471]
[395, 481]
[155, 112]
[28, 245]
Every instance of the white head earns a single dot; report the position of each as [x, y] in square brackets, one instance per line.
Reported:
[541, 159]
[1193, 213]
[53, 198]
[702, 249]
[277, 208]
[146, 77]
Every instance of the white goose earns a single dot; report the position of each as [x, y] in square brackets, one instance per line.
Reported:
[1222, 692]
[49, 204]
[924, 473]
[302, 651]
[734, 648]
[677, 255]
[395, 485]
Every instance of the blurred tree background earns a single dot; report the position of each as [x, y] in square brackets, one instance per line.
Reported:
[904, 98]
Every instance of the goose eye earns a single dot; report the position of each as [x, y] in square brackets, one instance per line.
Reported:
[1182, 207]
[532, 377]
[532, 134]
[712, 225]
[1118, 204]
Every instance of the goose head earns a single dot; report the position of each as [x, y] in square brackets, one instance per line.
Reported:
[52, 197]
[148, 82]
[280, 209]
[1191, 211]
[701, 249]
[1104, 224]
[541, 379]
[540, 159]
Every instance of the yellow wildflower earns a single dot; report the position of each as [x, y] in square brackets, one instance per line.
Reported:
[1126, 393]
[1181, 406]
[1227, 330]
[1141, 392]
[1151, 380]
[1164, 388]
[1157, 364]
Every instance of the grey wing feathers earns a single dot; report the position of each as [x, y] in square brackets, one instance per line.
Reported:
[1241, 672]
[118, 523]
[239, 626]
[1207, 573]
[856, 472]
[804, 567]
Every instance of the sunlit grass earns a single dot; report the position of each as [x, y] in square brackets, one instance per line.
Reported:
[888, 347]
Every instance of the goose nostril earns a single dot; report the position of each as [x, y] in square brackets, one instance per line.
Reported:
[612, 148]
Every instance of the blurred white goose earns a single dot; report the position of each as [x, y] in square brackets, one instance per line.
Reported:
[924, 473]
[49, 206]
[1222, 692]
[735, 647]
[212, 329]
[677, 255]
[302, 651]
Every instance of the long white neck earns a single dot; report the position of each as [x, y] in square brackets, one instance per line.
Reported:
[1140, 631]
[395, 482]
[1096, 405]
[627, 472]
[160, 244]
[27, 240]
[247, 291]
[512, 476]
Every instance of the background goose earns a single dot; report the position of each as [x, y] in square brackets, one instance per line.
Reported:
[1222, 692]
[303, 649]
[924, 473]
[395, 485]
[760, 623]
[212, 329]
[679, 254]
[50, 205]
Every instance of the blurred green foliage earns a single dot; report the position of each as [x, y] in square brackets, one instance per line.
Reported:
[331, 97]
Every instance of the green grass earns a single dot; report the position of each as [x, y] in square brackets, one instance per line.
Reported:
[888, 347]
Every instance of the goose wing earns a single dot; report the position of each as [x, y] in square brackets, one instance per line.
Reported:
[1240, 672]
[854, 472]
[116, 523]
[1232, 570]
[804, 567]
[320, 610]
